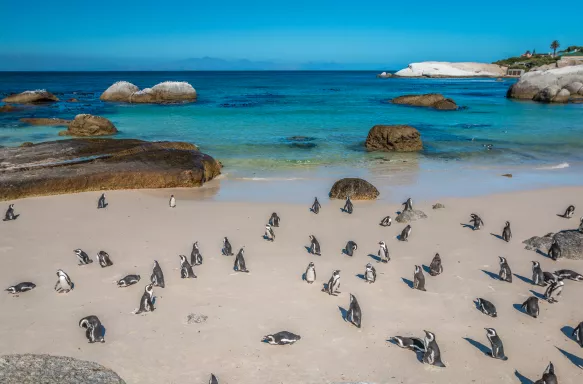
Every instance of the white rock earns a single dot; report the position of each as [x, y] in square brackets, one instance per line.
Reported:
[531, 83]
[446, 69]
[120, 91]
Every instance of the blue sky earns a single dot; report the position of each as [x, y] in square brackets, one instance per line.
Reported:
[371, 33]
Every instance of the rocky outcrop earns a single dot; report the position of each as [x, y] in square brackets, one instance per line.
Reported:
[559, 85]
[51, 121]
[430, 100]
[399, 138]
[89, 125]
[384, 75]
[166, 92]
[357, 189]
[570, 242]
[47, 369]
[410, 215]
[442, 69]
[7, 108]
[31, 97]
[77, 165]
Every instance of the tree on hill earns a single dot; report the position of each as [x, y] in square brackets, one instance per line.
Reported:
[554, 46]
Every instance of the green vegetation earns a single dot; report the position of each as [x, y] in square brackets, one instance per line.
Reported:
[527, 63]
[554, 45]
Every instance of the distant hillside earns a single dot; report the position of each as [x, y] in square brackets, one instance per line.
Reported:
[527, 63]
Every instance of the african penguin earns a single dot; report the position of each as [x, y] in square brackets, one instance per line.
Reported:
[104, 259]
[530, 306]
[239, 265]
[435, 268]
[578, 334]
[370, 274]
[487, 307]
[569, 212]
[505, 273]
[386, 221]
[419, 279]
[549, 277]
[554, 290]
[405, 234]
[506, 232]
[580, 229]
[351, 246]
[383, 252]
[354, 314]
[413, 343]
[274, 220]
[555, 251]
[348, 207]
[213, 379]
[10, 213]
[227, 249]
[496, 344]
[310, 275]
[432, 355]
[64, 284]
[269, 234]
[172, 201]
[476, 221]
[316, 206]
[95, 332]
[83, 257]
[157, 277]
[314, 246]
[101, 202]
[569, 274]
[195, 256]
[549, 376]
[281, 338]
[186, 271]
[128, 280]
[333, 283]
[538, 278]
[20, 287]
[408, 205]
[147, 301]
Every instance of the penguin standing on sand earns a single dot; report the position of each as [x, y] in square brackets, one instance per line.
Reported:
[578, 334]
[476, 221]
[413, 343]
[554, 291]
[128, 280]
[354, 314]
[569, 274]
[64, 284]
[239, 265]
[350, 248]
[21, 287]
[506, 232]
[274, 220]
[333, 283]
[419, 279]
[172, 201]
[195, 256]
[530, 306]
[269, 234]
[348, 207]
[496, 344]
[549, 376]
[227, 249]
[538, 278]
[555, 251]
[408, 205]
[435, 268]
[310, 275]
[95, 332]
[186, 271]
[505, 273]
[383, 252]
[104, 259]
[101, 202]
[432, 355]
[580, 229]
[386, 221]
[405, 234]
[147, 300]
[213, 379]
[487, 308]
[157, 277]
[10, 214]
[370, 274]
[316, 206]
[569, 212]
[83, 257]
[314, 246]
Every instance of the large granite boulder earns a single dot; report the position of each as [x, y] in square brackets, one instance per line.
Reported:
[89, 125]
[410, 215]
[47, 369]
[77, 165]
[399, 138]
[119, 91]
[357, 189]
[50, 121]
[570, 242]
[31, 97]
[162, 93]
[440, 69]
[549, 86]
[431, 100]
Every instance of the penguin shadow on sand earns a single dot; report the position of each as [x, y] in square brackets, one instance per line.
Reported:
[343, 313]
[491, 274]
[523, 278]
[568, 331]
[426, 269]
[540, 296]
[470, 226]
[408, 282]
[484, 349]
[374, 257]
[576, 360]
[496, 236]
[308, 250]
[543, 254]
[361, 276]
[519, 308]
[523, 379]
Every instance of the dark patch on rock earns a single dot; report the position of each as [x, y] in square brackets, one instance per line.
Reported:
[357, 189]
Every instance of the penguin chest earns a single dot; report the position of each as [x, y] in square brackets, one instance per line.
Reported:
[310, 275]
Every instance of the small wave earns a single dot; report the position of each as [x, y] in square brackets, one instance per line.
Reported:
[558, 166]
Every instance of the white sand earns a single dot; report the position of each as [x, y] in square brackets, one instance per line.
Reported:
[138, 227]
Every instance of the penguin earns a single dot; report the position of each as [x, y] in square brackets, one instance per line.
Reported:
[549, 376]
[555, 251]
[104, 259]
[147, 300]
[354, 314]
[157, 277]
[274, 220]
[195, 256]
[269, 234]
[413, 343]
[316, 206]
[405, 234]
[351, 246]
[384, 252]
[333, 283]
[227, 249]
[569, 212]
[408, 205]
[370, 274]
[10, 214]
[186, 271]
[64, 284]
[386, 221]
[496, 344]
[505, 273]
[506, 232]
[172, 201]
[549, 277]
[476, 221]
[418, 279]
[314, 246]
[348, 207]
[436, 268]
[101, 202]
[578, 334]
[310, 275]
[281, 338]
[240, 262]
[487, 307]
[530, 306]
[554, 291]
[83, 257]
[432, 355]
[21, 287]
[538, 278]
[213, 379]
[569, 274]
[128, 280]
[580, 229]
[95, 332]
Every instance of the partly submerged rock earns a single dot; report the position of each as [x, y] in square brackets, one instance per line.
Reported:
[410, 215]
[89, 125]
[7, 108]
[31, 97]
[430, 100]
[72, 100]
[45, 121]
[357, 189]
[445, 69]
[27, 144]
[119, 91]
[399, 138]
[570, 242]
[166, 92]
[549, 86]
[47, 369]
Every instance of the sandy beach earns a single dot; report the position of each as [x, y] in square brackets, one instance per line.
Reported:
[138, 227]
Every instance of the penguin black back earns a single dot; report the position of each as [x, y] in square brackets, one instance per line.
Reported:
[157, 277]
[506, 232]
[274, 220]
[316, 206]
[348, 207]
[435, 268]
[530, 306]
[405, 233]
[101, 202]
[555, 250]
[351, 246]
[354, 314]
[386, 221]
[195, 255]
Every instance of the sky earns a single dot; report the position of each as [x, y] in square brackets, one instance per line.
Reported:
[366, 34]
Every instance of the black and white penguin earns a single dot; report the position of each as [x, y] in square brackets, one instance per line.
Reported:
[419, 279]
[435, 268]
[408, 205]
[316, 206]
[104, 259]
[476, 221]
[432, 355]
[172, 201]
[227, 249]
[128, 280]
[213, 379]
[195, 255]
[281, 338]
[348, 207]
[370, 274]
[554, 290]
[505, 273]
[157, 277]
[530, 306]
[580, 229]
[310, 275]
[383, 252]
[83, 257]
[147, 300]
[568, 274]
[239, 265]
[314, 246]
[386, 221]
[10, 214]
[549, 376]
[274, 220]
[487, 307]
[413, 343]
[64, 284]
[269, 234]
[186, 271]
[538, 278]
[333, 283]
[354, 314]
[578, 334]
[549, 277]
[496, 344]
[405, 234]
[569, 212]
[555, 250]
[101, 202]
[21, 287]
[506, 232]
[95, 332]
[351, 246]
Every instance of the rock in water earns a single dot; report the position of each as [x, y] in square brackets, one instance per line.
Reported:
[120, 91]
[47, 369]
[408, 216]
[166, 92]
[31, 97]
[431, 100]
[550, 86]
[89, 125]
[7, 108]
[45, 121]
[357, 189]
[570, 242]
[399, 138]
[445, 69]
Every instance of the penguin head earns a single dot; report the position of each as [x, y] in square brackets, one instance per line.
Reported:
[417, 269]
[196, 244]
[311, 237]
[507, 224]
[502, 259]
[430, 336]
[182, 258]
[11, 206]
[336, 272]
[535, 264]
[225, 240]
[60, 273]
[77, 251]
[550, 369]
[491, 332]
[156, 264]
[11, 289]
[311, 265]
[437, 257]
[268, 339]
[369, 266]
[382, 243]
[352, 298]
[171, 196]
[149, 289]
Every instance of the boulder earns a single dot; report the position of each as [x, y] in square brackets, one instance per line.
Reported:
[47, 369]
[539, 85]
[27, 144]
[45, 121]
[430, 100]
[89, 125]
[31, 97]
[73, 100]
[563, 96]
[574, 87]
[546, 95]
[570, 242]
[440, 69]
[357, 189]
[399, 138]
[438, 206]
[166, 92]
[119, 91]
[410, 215]
[83, 164]
[7, 108]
